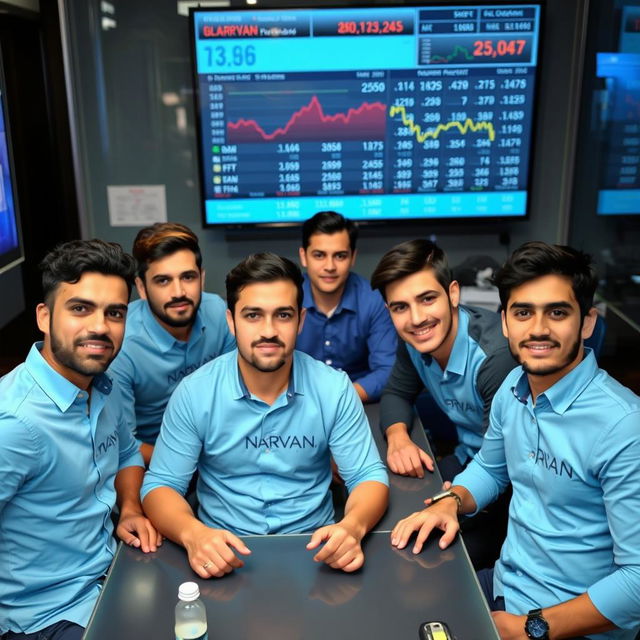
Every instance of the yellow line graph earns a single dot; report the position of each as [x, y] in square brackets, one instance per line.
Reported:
[463, 127]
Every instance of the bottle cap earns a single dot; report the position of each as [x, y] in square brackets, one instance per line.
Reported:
[188, 591]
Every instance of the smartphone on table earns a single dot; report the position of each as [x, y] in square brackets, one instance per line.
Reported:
[434, 631]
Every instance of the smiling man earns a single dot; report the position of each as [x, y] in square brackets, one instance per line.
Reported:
[260, 424]
[347, 326]
[171, 331]
[66, 453]
[458, 354]
[567, 437]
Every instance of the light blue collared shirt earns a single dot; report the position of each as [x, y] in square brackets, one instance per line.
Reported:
[574, 520]
[358, 338]
[152, 362]
[477, 365]
[59, 455]
[264, 469]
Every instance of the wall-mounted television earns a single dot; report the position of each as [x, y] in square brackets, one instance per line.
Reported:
[10, 239]
[382, 113]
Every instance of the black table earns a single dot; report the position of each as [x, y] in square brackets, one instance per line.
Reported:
[406, 494]
[281, 594]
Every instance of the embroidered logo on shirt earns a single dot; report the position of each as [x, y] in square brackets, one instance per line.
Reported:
[549, 462]
[110, 441]
[176, 376]
[278, 442]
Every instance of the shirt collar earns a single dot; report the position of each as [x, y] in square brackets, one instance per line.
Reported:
[348, 300]
[240, 388]
[61, 391]
[564, 392]
[163, 339]
[457, 362]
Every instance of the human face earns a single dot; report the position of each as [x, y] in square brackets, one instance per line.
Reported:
[544, 327]
[328, 259]
[84, 327]
[173, 288]
[424, 313]
[266, 323]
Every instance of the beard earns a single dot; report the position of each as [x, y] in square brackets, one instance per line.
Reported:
[256, 362]
[89, 365]
[550, 369]
[171, 321]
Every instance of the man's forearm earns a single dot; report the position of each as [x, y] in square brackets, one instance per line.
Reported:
[365, 506]
[576, 617]
[170, 514]
[127, 484]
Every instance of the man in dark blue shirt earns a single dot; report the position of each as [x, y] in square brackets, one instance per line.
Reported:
[347, 325]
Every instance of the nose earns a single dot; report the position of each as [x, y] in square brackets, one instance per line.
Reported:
[177, 288]
[99, 323]
[268, 329]
[330, 264]
[416, 315]
[540, 325]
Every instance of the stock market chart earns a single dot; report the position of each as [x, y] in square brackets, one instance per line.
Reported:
[380, 113]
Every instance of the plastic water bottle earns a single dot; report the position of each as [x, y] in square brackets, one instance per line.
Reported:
[191, 615]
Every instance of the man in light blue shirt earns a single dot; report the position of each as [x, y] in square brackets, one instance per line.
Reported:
[567, 436]
[346, 324]
[259, 424]
[66, 454]
[171, 331]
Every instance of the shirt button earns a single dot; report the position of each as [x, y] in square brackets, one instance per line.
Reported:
[329, 362]
[519, 574]
[532, 454]
[327, 343]
[267, 450]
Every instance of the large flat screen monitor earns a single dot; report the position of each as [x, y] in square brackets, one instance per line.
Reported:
[10, 241]
[381, 113]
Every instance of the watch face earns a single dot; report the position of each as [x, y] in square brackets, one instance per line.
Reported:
[537, 628]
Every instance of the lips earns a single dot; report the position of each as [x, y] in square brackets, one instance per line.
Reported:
[95, 346]
[539, 348]
[424, 331]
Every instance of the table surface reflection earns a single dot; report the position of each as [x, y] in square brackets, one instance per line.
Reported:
[282, 594]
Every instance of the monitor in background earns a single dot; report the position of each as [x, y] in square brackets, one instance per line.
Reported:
[10, 240]
[382, 113]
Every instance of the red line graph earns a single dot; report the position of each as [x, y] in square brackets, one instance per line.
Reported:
[310, 123]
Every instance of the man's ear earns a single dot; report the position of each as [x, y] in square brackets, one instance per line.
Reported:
[303, 315]
[230, 323]
[505, 331]
[354, 255]
[589, 323]
[454, 294]
[302, 254]
[202, 275]
[43, 317]
[140, 288]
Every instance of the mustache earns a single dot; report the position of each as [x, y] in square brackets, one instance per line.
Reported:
[275, 341]
[547, 339]
[95, 337]
[177, 301]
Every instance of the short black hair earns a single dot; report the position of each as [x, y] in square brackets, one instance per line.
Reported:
[69, 261]
[408, 258]
[329, 222]
[163, 239]
[536, 259]
[262, 267]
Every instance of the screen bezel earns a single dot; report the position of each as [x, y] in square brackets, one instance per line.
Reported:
[236, 5]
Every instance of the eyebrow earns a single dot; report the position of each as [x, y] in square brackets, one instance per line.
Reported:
[248, 309]
[91, 303]
[420, 295]
[545, 307]
[182, 273]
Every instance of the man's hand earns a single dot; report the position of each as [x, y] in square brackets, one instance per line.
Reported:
[137, 531]
[210, 552]
[341, 549]
[510, 626]
[404, 457]
[442, 515]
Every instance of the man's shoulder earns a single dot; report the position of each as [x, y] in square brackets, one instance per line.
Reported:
[612, 395]
[213, 304]
[16, 388]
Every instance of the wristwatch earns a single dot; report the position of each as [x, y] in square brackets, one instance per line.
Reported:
[536, 627]
[447, 494]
